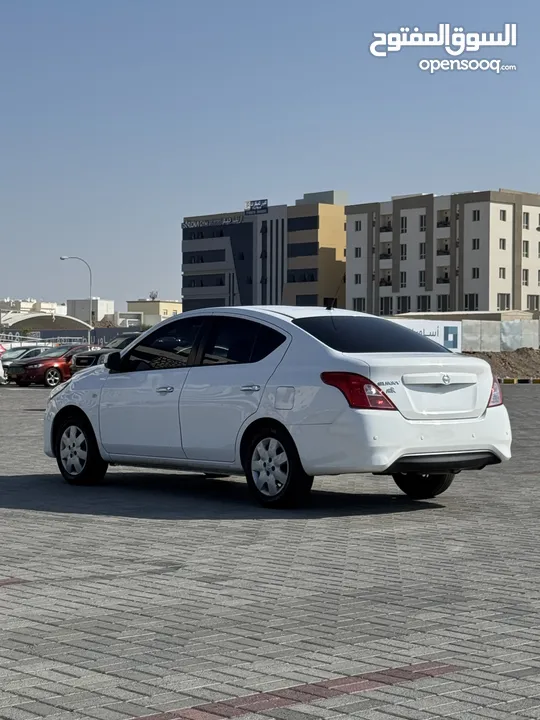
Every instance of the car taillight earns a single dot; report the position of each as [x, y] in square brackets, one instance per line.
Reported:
[360, 392]
[496, 397]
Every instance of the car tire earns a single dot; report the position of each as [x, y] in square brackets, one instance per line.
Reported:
[77, 452]
[420, 486]
[22, 383]
[275, 484]
[53, 377]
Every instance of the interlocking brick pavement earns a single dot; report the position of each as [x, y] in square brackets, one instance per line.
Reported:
[158, 592]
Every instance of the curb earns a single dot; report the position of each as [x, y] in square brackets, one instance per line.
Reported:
[519, 381]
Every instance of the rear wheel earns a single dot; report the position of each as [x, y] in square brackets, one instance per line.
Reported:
[77, 452]
[273, 469]
[53, 377]
[419, 486]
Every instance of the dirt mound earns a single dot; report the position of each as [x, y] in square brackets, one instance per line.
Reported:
[522, 363]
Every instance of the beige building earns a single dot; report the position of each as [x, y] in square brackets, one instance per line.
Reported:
[316, 252]
[467, 251]
[154, 311]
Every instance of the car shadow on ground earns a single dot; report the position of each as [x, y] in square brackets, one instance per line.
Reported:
[175, 496]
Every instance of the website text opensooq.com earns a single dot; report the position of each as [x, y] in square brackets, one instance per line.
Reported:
[496, 66]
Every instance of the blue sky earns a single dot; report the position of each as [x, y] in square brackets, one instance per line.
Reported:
[119, 118]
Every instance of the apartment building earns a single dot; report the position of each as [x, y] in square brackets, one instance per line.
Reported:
[266, 255]
[423, 253]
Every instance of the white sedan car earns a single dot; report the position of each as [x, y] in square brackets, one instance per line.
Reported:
[282, 394]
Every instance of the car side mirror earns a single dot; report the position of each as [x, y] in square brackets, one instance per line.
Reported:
[114, 361]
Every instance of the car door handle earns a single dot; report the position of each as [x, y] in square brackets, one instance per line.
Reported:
[164, 390]
[250, 388]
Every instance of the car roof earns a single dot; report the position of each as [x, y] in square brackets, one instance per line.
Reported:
[283, 312]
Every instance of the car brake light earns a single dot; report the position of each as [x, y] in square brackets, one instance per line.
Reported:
[360, 392]
[496, 397]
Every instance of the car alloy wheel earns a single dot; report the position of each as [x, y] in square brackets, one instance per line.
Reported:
[53, 377]
[73, 450]
[270, 467]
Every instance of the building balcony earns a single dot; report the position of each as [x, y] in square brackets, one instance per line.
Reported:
[443, 251]
[385, 282]
[443, 280]
[386, 228]
[385, 255]
[443, 223]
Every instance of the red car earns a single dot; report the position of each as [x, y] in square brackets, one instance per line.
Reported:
[50, 368]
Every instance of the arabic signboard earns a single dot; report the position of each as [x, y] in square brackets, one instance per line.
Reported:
[447, 334]
[211, 222]
[256, 207]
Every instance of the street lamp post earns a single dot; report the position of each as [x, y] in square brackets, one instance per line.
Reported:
[74, 257]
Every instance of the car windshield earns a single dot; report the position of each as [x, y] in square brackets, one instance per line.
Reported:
[119, 343]
[366, 334]
[56, 352]
[14, 353]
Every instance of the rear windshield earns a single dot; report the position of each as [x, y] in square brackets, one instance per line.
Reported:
[349, 334]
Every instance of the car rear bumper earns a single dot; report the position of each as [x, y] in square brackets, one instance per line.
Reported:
[384, 442]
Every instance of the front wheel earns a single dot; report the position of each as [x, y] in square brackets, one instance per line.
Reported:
[420, 486]
[77, 452]
[53, 377]
[274, 471]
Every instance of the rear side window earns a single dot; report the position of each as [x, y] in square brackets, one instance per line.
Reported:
[235, 341]
[349, 334]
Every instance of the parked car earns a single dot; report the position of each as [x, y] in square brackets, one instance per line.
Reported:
[84, 360]
[282, 394]
[50, 368]
[21, 353]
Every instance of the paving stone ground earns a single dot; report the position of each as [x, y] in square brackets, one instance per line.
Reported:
[158, 593]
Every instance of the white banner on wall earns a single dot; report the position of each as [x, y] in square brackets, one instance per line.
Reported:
[445, 333]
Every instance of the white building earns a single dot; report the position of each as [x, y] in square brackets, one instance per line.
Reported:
[465, 251]
[81, 309]
[31, 305]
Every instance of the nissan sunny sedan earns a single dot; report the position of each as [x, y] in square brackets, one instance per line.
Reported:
[280, 395]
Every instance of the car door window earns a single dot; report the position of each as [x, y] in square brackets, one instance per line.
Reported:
[168, 348]
[33, 353]
[234, 341]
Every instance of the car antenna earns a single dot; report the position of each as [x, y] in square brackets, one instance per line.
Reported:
[333, 301]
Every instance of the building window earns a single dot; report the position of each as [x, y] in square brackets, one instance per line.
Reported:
[525, 220]
[423, 303]
[302, 276]
[533, 302]
[165, 312]
[539, 277]
[443, 303]
[525, 248]
[306, 300]
[403, 304]
[402, 279]
[422, 278]
[476, 243]
[302, 249]
[359, 304]
[539, 249]
[423, 223]
[386, 305]
[303, 223]
[357, 252]
[358, 279]
[476, 215]
[475, 273]
[524, 277]
[403, 251]
[403, 222]
[502, 215]
[503, 301]
[502, 273]
[502, 243]
[357, 225]
[422, 251]
[471, 302]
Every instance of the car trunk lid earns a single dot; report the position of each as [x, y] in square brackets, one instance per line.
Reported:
[432, 386]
